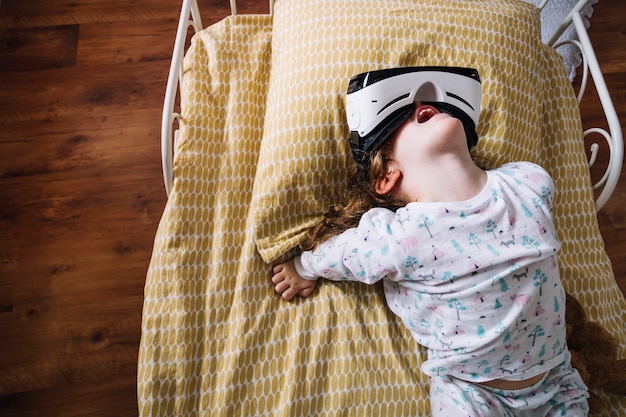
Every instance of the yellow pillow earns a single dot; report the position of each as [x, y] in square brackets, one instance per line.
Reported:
[318, 45]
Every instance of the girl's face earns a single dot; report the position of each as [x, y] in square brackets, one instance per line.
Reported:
[424, 146]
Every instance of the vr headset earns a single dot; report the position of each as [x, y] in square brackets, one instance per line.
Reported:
[379, 102]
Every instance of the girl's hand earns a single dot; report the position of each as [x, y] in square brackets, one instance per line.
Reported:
[288, 283]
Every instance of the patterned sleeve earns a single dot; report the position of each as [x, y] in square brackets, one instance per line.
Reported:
[534, 177]
[360, 254]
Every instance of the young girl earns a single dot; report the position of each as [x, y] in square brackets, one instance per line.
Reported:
[468, 262]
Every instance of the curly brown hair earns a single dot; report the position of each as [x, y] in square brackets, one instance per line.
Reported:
[360, 197]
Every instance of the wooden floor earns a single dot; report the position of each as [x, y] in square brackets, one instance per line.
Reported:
[81, 190]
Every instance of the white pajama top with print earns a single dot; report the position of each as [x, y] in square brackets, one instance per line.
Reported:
[476, 282]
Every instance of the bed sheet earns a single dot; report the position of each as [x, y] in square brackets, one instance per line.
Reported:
[216, 340]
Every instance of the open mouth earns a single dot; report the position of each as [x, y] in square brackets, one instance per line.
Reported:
[424, 113]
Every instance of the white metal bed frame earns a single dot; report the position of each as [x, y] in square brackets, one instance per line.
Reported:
[190, 18]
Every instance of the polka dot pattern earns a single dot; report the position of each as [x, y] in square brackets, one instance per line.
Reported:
[260, 156]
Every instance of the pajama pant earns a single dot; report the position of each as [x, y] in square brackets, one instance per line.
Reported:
[561, 392]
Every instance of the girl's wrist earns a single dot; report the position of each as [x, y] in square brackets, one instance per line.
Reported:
[301, 270]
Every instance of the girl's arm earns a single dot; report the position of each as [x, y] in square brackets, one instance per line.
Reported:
[365, 254]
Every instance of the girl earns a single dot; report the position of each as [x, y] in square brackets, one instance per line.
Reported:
[468, 262]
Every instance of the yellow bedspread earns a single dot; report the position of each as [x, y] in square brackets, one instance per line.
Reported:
[216, 340]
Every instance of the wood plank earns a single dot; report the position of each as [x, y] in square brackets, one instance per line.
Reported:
[38, 13]
[121, 43]
[56, 93]
[608, 16]
[38, 48]
[76, 400]
[115, 138]
[82, 193]
[60, 209]
[71, 295]
[612, 56]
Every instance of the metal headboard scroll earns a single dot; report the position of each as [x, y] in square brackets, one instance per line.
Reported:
[590, 66]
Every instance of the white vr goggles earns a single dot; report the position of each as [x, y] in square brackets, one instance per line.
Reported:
[379, 102]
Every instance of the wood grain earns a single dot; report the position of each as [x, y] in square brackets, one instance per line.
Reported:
[81, 190]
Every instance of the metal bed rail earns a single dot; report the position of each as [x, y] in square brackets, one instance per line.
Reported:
[189, 18]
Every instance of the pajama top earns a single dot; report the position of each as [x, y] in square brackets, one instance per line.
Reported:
[476, 282]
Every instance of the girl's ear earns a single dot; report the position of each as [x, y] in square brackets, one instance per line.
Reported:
[384, 185]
